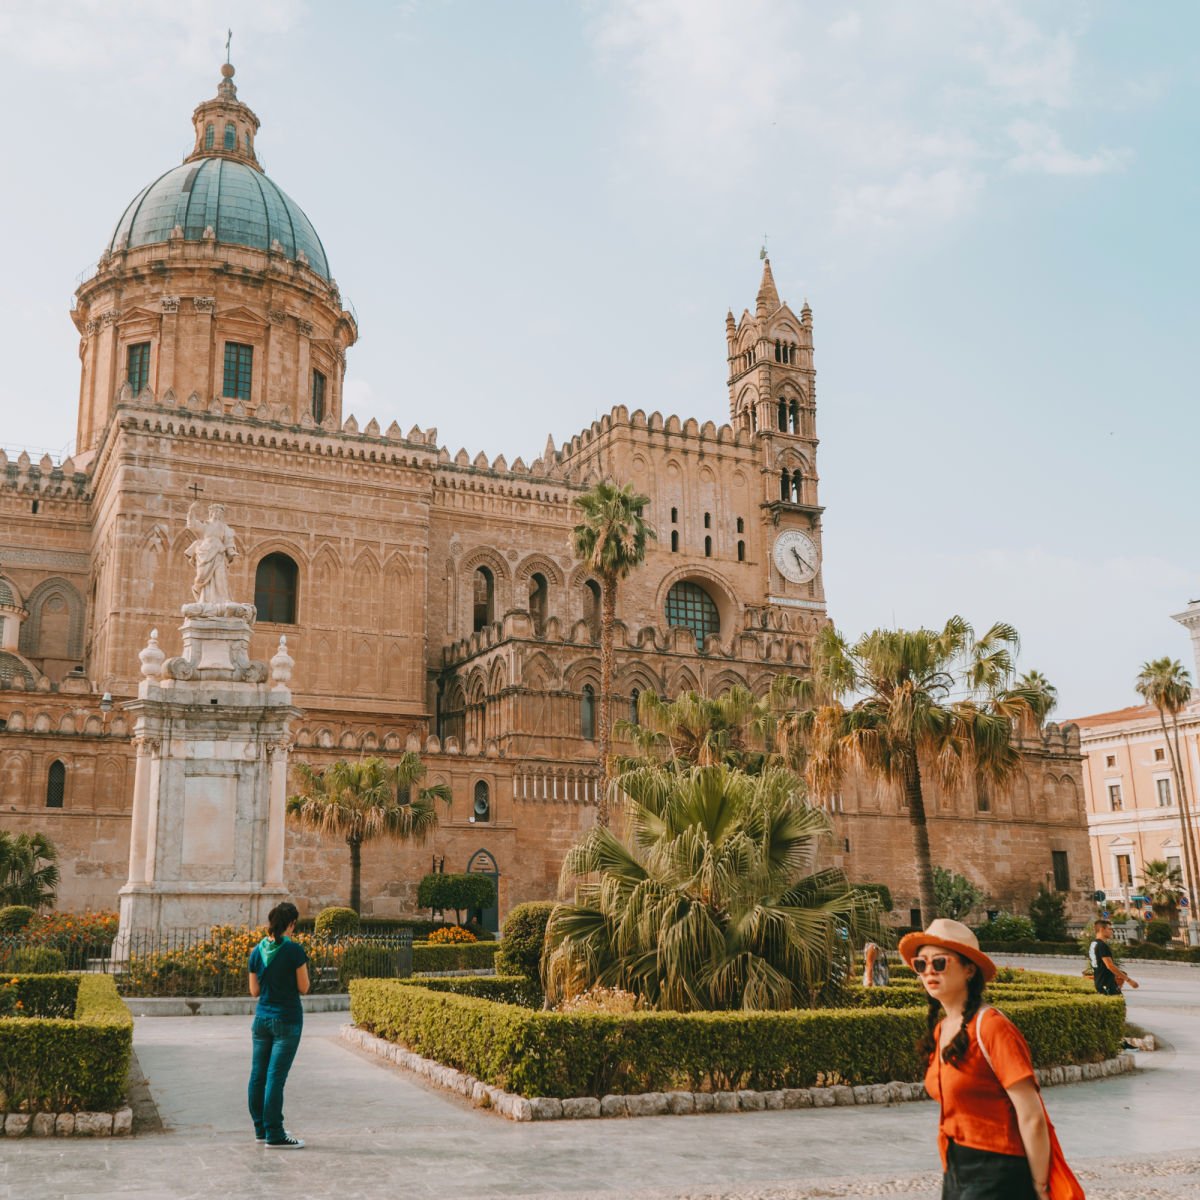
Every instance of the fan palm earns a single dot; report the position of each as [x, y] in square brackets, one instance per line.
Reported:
[1162, 885]
[364, 800]
[715, 902]
[28, 869]
[1043, 694]
[1166, 684]
[611, 540]
[900, 703]
[700, 730]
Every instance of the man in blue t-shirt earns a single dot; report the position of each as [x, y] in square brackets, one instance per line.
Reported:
[278, 977]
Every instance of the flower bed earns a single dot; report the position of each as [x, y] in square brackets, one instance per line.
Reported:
[56, 1063]
[579, 1055]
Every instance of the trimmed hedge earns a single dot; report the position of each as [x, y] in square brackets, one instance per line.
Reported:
[421, 929]
[504, 989]
[15, 917]
[60, 1064]
[336, 922]
[563, 1055]
[524, 940]
[465, 956]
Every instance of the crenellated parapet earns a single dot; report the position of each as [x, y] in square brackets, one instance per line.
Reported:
[43, 478]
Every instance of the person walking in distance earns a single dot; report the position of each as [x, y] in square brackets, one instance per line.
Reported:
[995, 1138]
[278, 977]
[875, 966]
[1108, 978]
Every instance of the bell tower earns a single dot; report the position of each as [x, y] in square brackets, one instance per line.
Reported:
[772, 395]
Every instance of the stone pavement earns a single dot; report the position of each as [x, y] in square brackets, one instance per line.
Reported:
[374, 1131]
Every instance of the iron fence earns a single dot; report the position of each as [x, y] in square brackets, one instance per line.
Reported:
[196, 963]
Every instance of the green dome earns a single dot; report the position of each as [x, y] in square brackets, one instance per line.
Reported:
[241, 205]
[10, 667]
[6, 593]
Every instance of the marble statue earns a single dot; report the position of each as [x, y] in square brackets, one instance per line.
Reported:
[211, 553]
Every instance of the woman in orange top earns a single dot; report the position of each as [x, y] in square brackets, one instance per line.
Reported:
[993, 1135]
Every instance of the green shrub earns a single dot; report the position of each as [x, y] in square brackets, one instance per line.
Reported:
[14, 918]
[459, 893]
[1158, 932]
[366, 961]
[336, 922]
[36, 960]
[558, 1054]
[1048, 911]
[504, 989]
[465, 957]
[1007, 927]
[56, 1064]
[524, 940]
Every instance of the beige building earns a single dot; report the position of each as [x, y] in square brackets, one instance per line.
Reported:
[430, 599]
[1133, 808]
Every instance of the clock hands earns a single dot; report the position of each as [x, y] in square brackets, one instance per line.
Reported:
[804, 566]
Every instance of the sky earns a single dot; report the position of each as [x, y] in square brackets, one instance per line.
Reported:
[542, 210]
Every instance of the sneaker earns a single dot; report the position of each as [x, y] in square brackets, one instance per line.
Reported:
[289, 1143]
[260, 1138]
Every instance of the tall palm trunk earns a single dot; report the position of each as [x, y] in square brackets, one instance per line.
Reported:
[355, 845]
[920, 832]
[1185, 819]
[608, 620]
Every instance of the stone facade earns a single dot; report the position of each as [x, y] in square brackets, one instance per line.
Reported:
[431, 600]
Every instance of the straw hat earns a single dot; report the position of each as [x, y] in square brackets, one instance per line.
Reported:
[950, 935]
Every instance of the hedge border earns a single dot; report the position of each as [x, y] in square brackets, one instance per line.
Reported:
[454, 956]
[568, 1055]
[658, 1104]
[54, 1065]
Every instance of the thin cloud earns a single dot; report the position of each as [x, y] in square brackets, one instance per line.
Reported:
[1041, 150]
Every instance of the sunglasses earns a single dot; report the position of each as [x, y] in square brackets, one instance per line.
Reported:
[937, 963]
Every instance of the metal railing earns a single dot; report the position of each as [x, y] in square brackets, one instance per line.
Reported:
[195, 963]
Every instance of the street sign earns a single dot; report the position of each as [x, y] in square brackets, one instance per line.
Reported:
[1183, 902]
[1148, 914]
[1099, 896]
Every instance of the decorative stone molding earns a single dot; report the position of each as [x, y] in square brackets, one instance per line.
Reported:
[204, 304]
[170, 304]
[305, 327]
[660, 1104]
[277, 316]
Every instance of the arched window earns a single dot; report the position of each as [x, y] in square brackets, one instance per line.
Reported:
[797, 487]
[539, 591]
[248, 141]
[708, 547]
[785, 484]
[782, 416]
[741, 551]
[56, 785]
[587, 713]
[591, 606]
[230, 137]
[674, 515]
[708, 520]
[794, 409]
[792, 354]
[210, 136]
[484, 591]
[318, 397]
[633, 706]
[778, 351]
[674, 541]
[741, 525]
[691, 607]
[275, 589]
[481, 806]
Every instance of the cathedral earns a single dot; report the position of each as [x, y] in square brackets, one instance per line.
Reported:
[431, 600]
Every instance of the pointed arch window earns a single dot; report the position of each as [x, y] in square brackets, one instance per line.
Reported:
[56, 784]
[794, 411]
[539, 592]
[275, 586]
[481, 803]
[484, 604]
[785, 484]
[587, 713]
[782, 417]
[633, 706]
[591, 606]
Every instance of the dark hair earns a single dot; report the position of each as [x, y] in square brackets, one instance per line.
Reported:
[280, 917]
[956, 1051]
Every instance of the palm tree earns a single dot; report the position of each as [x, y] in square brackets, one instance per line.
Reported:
[733, 728]
[28, 869]
[1162, 886]
[1043, 694]
[927, 700]
[363, 800]
[714, 902]
[1166, 684]
[611, 539]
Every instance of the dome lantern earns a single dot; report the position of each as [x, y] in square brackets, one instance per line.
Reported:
[225, 127]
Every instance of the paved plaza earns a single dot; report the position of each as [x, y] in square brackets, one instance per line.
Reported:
[374, 1131]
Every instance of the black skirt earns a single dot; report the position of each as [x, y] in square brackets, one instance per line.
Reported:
[984, 1175]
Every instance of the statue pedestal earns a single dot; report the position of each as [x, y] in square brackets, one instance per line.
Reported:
[210, 787]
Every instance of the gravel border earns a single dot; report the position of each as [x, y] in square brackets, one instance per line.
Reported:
[657, 1104]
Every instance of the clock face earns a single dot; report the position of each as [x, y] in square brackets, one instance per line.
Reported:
[796, 556]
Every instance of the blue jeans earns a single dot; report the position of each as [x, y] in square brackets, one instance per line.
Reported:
[275, 1043]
